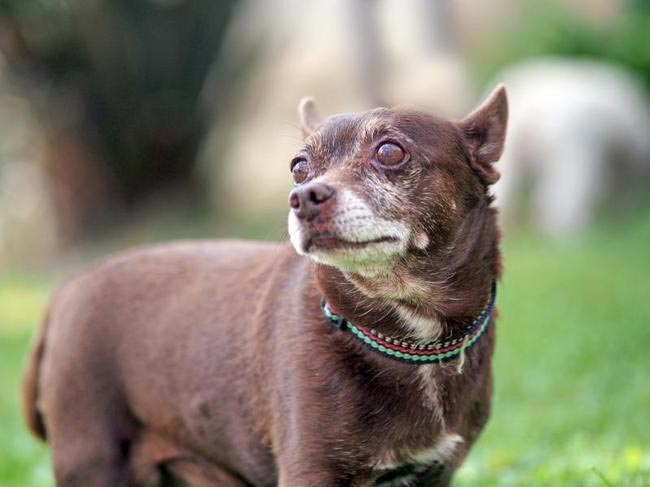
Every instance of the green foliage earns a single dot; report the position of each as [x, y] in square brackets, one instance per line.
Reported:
[571, 367]
[546, 29]
[126, 80]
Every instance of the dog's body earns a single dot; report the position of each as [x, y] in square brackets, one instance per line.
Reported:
[213, 361]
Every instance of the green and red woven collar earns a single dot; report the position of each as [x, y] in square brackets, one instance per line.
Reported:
[439, 351]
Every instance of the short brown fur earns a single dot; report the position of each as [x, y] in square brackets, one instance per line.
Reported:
[211, 362]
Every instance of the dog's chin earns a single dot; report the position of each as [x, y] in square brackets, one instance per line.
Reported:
[369, 257]
[368, 249]
[365, 258]
[332, 244]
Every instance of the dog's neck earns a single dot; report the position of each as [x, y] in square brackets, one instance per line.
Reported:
[427, 294]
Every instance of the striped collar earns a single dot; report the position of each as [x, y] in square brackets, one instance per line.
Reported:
[437, 351]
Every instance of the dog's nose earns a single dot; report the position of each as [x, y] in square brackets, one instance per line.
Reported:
[307, 200]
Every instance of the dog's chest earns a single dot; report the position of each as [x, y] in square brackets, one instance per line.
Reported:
[397, 466]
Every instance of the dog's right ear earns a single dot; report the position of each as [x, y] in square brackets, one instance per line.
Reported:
[484, 131]
[310, 119]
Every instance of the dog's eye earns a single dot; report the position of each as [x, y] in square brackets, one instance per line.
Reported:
[299, 169]
[390, 154]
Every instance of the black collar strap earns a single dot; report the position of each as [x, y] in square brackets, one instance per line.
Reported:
[438, 351]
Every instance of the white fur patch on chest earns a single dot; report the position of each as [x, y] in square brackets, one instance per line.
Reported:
[421, 327]
[441, 452]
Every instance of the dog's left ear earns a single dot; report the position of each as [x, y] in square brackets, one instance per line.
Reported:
[484, 131]
[310, 119]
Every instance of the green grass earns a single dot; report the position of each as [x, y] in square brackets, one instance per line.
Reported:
[572, 368]
[572, 402]
[23, 460]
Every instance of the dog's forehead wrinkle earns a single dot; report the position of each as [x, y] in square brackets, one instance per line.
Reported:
[373, 125]
[346, 135]
[337, 136]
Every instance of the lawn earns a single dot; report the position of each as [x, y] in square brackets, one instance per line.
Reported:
[572, 401]
[23, 461]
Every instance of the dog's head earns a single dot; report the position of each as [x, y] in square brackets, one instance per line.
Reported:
[373, 188]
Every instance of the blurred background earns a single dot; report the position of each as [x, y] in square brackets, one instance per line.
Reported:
[124, 122]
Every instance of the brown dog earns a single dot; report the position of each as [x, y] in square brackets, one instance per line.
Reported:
[367, 362]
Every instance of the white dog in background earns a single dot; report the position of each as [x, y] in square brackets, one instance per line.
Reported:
[578, 140]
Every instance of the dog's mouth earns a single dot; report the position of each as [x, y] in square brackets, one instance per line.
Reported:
[325, 242]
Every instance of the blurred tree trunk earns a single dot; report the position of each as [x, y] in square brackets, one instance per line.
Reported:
[118, 85]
